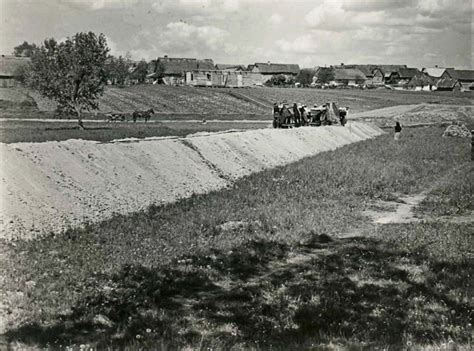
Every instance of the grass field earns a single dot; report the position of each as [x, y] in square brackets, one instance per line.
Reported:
[224, 102]
[284, 259]
[36, 131]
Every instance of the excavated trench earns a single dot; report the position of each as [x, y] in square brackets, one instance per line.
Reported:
[50, 186]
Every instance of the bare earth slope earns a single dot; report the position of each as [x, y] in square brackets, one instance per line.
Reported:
[417, 114]
[50, 186]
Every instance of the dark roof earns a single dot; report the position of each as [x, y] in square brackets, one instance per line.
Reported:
[446, 83]
[421, 79]
[367, 70]
[9, 65]
[224, 66]
[408, 73]
[463, 75]
[387, 69]
[177, 66]
[348, 74]
[277, 68]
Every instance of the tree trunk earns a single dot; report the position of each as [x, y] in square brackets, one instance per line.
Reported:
[79, 117]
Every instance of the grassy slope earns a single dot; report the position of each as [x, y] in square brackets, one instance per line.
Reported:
[172, 275]
[451, 198]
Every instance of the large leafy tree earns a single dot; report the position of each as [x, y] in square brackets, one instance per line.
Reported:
[25, 50]
[325, 75]
[305, 77]
[71, 72]
[140, 71]
[118, 69]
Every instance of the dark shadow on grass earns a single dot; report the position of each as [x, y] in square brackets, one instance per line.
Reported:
[257, 296]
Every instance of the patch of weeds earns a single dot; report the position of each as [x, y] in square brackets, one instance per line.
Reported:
[189, 301]
[455, 196]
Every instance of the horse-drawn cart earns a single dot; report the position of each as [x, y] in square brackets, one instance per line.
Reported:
[285, 116]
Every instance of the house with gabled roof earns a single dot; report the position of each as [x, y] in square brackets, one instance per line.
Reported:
[172, 70]
[402, 76]
[434, 72]
[229, 67]
[464, 77]
[448, 84]
[373, 75]
[10, 69]
[271, 69]
[349, 76]
[224, 78]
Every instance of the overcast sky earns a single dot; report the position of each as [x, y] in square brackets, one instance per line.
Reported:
[420, 33]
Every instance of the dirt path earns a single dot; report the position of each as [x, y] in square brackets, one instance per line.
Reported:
[73, 121]
[402, 210]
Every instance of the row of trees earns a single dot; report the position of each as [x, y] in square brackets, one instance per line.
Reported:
[304, 77]
[118, 70]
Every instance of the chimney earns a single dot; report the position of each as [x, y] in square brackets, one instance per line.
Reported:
[342, 64]
[268, 62]
[436, 66]
[165, 56]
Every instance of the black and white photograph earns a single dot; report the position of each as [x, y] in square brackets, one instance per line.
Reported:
[237, 175]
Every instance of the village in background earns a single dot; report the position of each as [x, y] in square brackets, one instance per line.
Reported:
[123, 71]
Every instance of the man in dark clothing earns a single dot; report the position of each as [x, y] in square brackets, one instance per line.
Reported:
[296, 115]
[342, 115]
[398, 130]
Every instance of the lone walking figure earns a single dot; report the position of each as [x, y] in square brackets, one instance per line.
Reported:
[398, 130]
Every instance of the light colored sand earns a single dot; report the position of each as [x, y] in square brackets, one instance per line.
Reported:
[411, 115]
[50, 186]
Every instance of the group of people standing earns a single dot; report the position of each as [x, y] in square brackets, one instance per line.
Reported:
[301, 115]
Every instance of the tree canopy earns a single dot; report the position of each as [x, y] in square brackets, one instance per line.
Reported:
[305, 77]
[325, 75]
[71, 72]
[140, 71]
[117, 69]
[25, 50]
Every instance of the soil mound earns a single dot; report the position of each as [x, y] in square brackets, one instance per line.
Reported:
[457, 130]
[50, 186]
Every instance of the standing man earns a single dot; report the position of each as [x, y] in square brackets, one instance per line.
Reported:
[398, 130]
[296, 115]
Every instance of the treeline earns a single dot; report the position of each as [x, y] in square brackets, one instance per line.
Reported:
[119, 70]
[304, 78]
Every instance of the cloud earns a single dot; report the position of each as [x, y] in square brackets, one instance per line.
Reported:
[114, 49]
[182, 39]
[275, 19]
[197, 7]
[100, 4]
[376, 5]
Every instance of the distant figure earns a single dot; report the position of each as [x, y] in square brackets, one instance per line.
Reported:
[276, 109]
[296, 115]
[342, 115]
[398, 130]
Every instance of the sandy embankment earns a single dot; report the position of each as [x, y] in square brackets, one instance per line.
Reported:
[50, 186]
[415, 115]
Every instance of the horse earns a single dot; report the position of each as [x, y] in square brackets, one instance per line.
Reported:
[143, 114]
